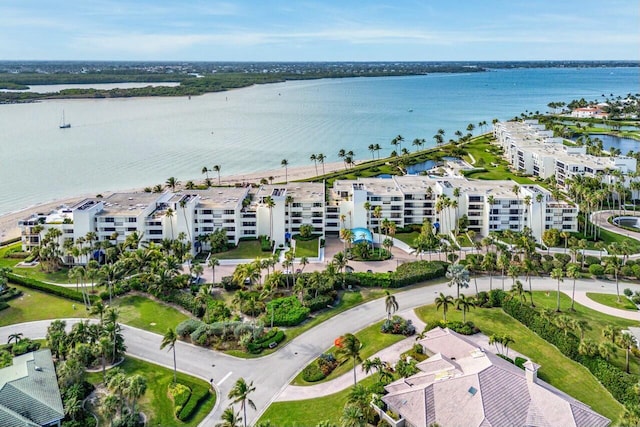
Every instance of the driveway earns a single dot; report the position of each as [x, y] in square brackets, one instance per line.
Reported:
[271, 374]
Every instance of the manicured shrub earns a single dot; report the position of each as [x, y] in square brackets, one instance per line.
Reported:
[520, 361]
[216, 311]
[419, 271]
[273, 336]
[496, 297]
[286, 311]
[9, 294]
[468, 328]
[3, 305]
[60, 291]
[319, 302]
[596, 270]
[313, 373]
[508, 359]
[628, 292]
[187, 327]
[181, 394]
[590, 260]
[198, 395]
[397, 325]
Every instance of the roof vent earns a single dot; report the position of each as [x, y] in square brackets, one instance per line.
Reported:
[472, 391]
[37, 368]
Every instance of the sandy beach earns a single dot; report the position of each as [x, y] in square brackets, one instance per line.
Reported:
[9, 222]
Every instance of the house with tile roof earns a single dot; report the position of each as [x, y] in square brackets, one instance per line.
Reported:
[463, 385]
[29, 393]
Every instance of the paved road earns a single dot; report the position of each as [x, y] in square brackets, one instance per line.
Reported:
[601, 218]
[272, 373]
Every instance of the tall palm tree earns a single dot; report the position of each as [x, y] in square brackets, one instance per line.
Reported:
[627, 342]
[172, 183]
[573, 272]
[321, 158]
[444, 302]
[213, 263]
[230, 418]
[390, 304]
[466, 304]
[240, 394]
[458, 276]
[169, 340]
[270, 204]
[205, 170]
[285, 164]
[349, 348]
[216, 168]
[314, 159]
[558, 274]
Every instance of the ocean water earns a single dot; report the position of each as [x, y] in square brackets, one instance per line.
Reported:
[116, 144]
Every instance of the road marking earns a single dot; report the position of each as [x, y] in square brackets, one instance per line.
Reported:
[224, 379]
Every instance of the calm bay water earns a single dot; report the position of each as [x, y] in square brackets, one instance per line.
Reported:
[116, 144]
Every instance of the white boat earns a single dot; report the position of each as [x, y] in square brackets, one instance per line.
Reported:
[63, 124]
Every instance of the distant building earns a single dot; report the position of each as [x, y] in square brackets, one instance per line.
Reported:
[29, 393]
[589, 112]
[462, 385]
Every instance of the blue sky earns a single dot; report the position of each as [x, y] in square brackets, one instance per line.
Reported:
[269, 30]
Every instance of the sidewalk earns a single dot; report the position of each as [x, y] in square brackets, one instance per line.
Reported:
[582, 298]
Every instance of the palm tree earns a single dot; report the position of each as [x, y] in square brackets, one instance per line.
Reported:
[458, 276]
[213, 263]
[612, 332]
[444, 302]
[206, 170]
[349, 348]
[136, 387]
[172, 183]
[573, 272]
[285, 164]
[240, 394]
[314, 159]
[169, 340]
[467, 304]
[558, 274]
[216, 168]
[230, 418]
[612, 264]
[270, 204]
[321, 158]
[627, 342]
[390, 304]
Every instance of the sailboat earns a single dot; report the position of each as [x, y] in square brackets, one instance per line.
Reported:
[64, 125]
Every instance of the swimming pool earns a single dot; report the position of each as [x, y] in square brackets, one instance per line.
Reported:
[361, 234]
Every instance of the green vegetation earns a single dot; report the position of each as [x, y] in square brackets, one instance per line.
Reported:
[156, 403]
[407, 238]
[612, 301]
[558, 370]
[37, 305]
[147, 314]
[310, 412]
[10, 256]
[308, 248]
[246, 249]
[372, 342]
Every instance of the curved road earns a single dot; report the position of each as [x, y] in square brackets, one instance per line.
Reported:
[272, 373]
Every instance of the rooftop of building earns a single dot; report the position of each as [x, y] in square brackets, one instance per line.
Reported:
[128, 204]
[462, 384]
[29, 393]
[302, 192]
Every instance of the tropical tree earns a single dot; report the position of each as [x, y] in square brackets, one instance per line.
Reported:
[216, 168]
[612, 264]
[213, 263]
[230, 418]
[390, 304]
[558, 274]
[627, 343]
[466, 304]
[314, 159]
[285, 164]
[349, 348]
[458, 276]
[444, 302]
[573, 272]
[240, 394]
[172, 183]
[169, 340]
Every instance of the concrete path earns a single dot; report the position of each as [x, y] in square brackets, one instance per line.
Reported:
[601, 218]
[582, 298]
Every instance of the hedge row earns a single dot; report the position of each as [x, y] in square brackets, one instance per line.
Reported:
[48, 288]
[181, 394]
[619, 383]
[405, 275]
[274, 335]
[3, 305]
[319, 302]
[10, 294]
[286, 311]
[198, 395]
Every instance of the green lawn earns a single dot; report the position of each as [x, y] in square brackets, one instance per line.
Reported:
[612, 301]
[249, 249]
[156, 403]
[36, 305]
[147, 314]
[407, 238]
[558, 370]
[310, 412]
[372, 341]
[36, 272]
[308, 248]
[136, 311]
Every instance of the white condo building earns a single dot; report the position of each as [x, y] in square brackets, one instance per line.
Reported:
[245, 212]
[533, 150]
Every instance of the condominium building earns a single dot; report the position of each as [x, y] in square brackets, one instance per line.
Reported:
[488, 205]
[241, 212]
[534, 151]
